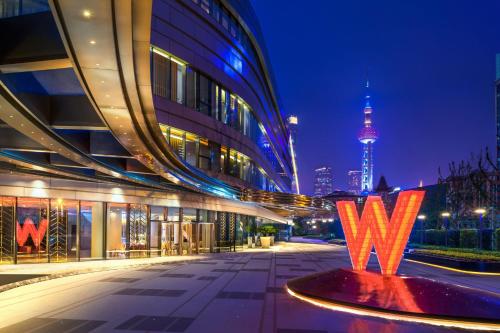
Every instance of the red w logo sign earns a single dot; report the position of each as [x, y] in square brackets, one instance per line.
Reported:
[28, 228]
[374, 229]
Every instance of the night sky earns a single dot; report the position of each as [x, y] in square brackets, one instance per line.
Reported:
[431, 65]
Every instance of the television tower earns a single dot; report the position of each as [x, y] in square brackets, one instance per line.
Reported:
[367, 136]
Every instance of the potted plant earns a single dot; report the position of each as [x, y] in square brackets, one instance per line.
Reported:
[251, 230]
[267, 235]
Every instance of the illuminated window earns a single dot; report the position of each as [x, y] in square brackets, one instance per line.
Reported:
[191, 148]
[176, 140]
[204, 160]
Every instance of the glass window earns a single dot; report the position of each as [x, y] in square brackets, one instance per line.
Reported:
[32, 229]
[202, 215]
[91, 230]
[224, 157]
[157, 213]
[161, 75]
[62, 232]
[7, 225]
[191, 149]
[155, 238]
[138, 231]
[173, 214]
[235, 164]
[190, 88]
[204, 161]
[225, 18]
[189, 215]
[246, 120]
[246, 169]
[205, 5]
[233, 26]
[216, 10]
[180, 83]
[116, 231]
[233, 113]
[224, 104]
[177, 142]
[205, 91]
[214, 156]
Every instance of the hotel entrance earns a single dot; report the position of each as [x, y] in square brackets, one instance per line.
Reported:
[205, 235]
[169, 240]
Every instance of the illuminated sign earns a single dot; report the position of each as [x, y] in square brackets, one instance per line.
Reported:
[29, 228]
[374, 229]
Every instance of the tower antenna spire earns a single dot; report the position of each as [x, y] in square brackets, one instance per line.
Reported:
[367, 136]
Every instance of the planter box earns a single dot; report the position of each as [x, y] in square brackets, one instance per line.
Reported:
[466, 265]
[265, 242]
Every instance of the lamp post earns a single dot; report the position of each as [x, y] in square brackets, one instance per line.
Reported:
[480, 212]
[446, 217]
[421, 218]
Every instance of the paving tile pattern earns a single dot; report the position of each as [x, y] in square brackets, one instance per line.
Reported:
[237, 292]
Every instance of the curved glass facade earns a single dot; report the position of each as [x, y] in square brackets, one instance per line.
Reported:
[219, 159]
[174, 79]
[170, 149]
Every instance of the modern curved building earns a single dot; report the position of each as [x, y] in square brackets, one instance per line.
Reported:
[137, 128]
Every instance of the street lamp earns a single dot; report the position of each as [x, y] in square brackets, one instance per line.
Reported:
[446, 217]
[480, 212]
[421, 218]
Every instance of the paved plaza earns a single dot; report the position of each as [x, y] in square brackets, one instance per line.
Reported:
[232, 292]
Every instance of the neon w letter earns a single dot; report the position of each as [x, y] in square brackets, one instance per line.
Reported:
[374, 229]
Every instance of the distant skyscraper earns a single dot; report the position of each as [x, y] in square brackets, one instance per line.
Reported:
[323, 181]
[293, 123]
[354, 181]
[367, 136]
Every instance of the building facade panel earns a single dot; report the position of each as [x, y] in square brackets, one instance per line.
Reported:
[208, 56]
[156, 132]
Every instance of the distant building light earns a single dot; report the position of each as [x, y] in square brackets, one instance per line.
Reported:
[480, 211]
[293, 120]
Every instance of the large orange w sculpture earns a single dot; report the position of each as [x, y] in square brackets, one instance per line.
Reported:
[374, 229]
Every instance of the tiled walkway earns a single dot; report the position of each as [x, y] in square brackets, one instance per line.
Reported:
[237, 292]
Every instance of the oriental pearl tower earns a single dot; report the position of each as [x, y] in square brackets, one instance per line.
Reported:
[367, 136]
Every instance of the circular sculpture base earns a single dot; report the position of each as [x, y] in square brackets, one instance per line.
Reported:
[410, 299]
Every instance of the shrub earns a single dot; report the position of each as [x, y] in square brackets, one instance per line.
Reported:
[416, 236]
[468, 238]
[434, 237]
[497, 239]
[487, 239]
[268, 229]
[453, 238]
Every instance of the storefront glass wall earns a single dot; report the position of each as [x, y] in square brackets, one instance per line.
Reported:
[36, 230]
[116, 231]
[32, 229]
[7, 230]
[91, 230]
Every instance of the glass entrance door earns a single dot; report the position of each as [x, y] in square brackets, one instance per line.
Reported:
[187, 239]
[169, 238]
[205, 237]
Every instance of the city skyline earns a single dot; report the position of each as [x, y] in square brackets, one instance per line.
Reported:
[418, 69]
